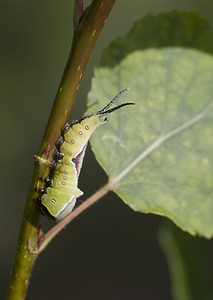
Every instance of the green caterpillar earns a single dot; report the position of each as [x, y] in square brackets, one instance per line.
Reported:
[60, 194]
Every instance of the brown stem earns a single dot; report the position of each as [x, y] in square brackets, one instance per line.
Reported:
[57, 228]
[84, 40]
[30, 237]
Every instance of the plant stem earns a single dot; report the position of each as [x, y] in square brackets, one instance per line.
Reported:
[57, 228]
[86, 33]
[84, 39]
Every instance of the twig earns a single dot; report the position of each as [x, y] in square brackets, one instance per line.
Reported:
[87, 30]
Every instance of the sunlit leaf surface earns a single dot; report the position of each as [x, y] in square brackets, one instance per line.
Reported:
[159, 154]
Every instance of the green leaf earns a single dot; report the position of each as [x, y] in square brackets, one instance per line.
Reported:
[177, 265]
[189, 262]
[158, 154]
[175, 28]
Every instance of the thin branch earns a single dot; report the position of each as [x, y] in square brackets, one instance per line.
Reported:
[84, 40]
[57, 228]
[88, 29]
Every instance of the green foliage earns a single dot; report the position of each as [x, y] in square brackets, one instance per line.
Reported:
[158, 155]
[190, 263]
[166, 29]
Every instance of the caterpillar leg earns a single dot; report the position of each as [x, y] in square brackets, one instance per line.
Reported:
[45, 179]
[40, 189]
[43, 161]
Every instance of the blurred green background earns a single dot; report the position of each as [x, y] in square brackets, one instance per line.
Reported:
[109, 252]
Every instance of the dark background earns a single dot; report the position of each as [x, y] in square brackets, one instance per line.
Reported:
[109, 252]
